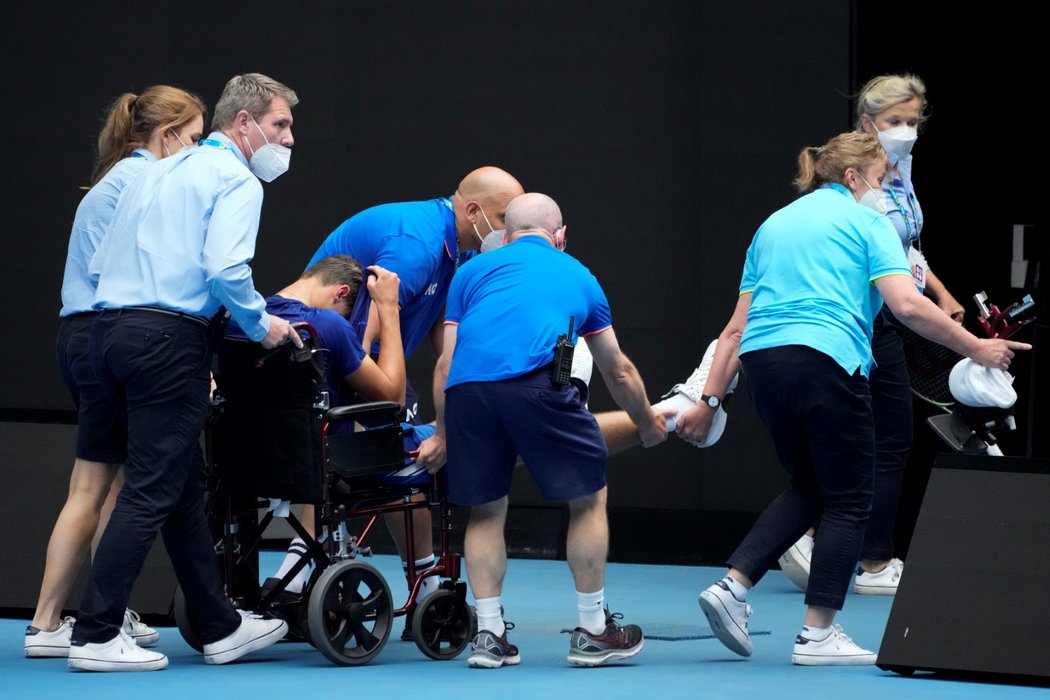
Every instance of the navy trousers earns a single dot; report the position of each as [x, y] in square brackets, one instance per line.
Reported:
[155, 367]
[820, 420]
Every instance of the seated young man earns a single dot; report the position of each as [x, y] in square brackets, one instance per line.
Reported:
[324, 296]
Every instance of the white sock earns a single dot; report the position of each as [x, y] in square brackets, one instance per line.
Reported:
[490, 615]
[296, 551]
[815, 634]
[736, 588]
[592, 610]
[430, 583]
[679, 402]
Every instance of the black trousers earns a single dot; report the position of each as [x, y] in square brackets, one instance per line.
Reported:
[820, 420]
[891, 406]
[154, 367]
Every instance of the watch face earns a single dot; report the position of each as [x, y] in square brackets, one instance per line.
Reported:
[712, 401]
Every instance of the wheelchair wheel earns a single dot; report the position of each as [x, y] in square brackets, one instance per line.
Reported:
[182, 620]
[442, 625]
[350, 613]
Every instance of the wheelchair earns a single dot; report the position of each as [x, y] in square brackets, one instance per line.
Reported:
[272, 440]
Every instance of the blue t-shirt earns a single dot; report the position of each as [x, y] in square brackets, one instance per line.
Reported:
[512, 303]
[345, 353]
[92, 221]
[810, 270]
[417, 240]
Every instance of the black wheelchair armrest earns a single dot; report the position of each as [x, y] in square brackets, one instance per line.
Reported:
[361, 410]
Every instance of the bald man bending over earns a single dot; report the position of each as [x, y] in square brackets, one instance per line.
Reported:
[421, 242]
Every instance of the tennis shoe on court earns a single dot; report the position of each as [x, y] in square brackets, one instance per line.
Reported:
[143, 634]
[882, 582]
[255, 632]
[41, 644]
[727, 616]
[796, 560]
[836, 649]
[118, 654]
[614, 643]
[489, 651]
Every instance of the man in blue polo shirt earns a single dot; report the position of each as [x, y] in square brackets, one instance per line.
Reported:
[422, 242]
[496, 398]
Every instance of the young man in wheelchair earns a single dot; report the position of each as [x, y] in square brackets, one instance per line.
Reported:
[323, 297]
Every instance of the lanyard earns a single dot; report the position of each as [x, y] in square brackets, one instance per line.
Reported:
[216, 144]
[903, 212]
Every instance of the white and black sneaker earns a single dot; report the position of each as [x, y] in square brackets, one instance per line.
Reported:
[143, 634]
[255, 632]
[118, 654]
[727, 616]
[41, 644]
[836, 649]
[882, 582]
[795, 562]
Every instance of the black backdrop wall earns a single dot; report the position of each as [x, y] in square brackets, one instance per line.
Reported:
[666, 130]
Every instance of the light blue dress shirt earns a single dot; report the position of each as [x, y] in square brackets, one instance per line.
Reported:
[183, 235]
[94, 215]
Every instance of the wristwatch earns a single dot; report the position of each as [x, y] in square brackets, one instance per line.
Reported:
[712, 401]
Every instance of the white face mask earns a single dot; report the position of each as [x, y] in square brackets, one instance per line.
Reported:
[873, 198]
[898, 140]
[494, 238]
[271, 160]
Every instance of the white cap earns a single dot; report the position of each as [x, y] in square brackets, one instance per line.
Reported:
[981, 387]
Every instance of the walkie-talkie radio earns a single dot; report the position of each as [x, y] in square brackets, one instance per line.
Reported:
[561, 373]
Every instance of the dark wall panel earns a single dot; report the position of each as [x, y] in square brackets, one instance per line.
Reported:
[666, 130]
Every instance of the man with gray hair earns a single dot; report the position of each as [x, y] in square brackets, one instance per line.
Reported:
[178, 250]
[502, 388]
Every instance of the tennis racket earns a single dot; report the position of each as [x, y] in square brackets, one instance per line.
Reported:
[929, 365]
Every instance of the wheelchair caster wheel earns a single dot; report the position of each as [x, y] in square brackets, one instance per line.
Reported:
[442, 625]
[182, 620]
[350, 613]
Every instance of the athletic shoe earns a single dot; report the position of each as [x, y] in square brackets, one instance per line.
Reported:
[118, 654]
[49, 645]
[489, 651]
[694, 386]
[691, 390]
[834, 650]
[255, 632]
[881, 582]
[144, 635]
[727, 616]
[615, 642]
[795, 562]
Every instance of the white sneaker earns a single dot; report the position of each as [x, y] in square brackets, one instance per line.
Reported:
[692, 389]
[49, 645]
[118, 654]
[834, 650]
[143, 634]
[795, 562]
[255, 632]
[727, 616]
[881, 582]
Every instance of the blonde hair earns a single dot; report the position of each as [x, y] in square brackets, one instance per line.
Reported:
[819, 165]
[253, 92]
[885, 91]
[133, 119]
